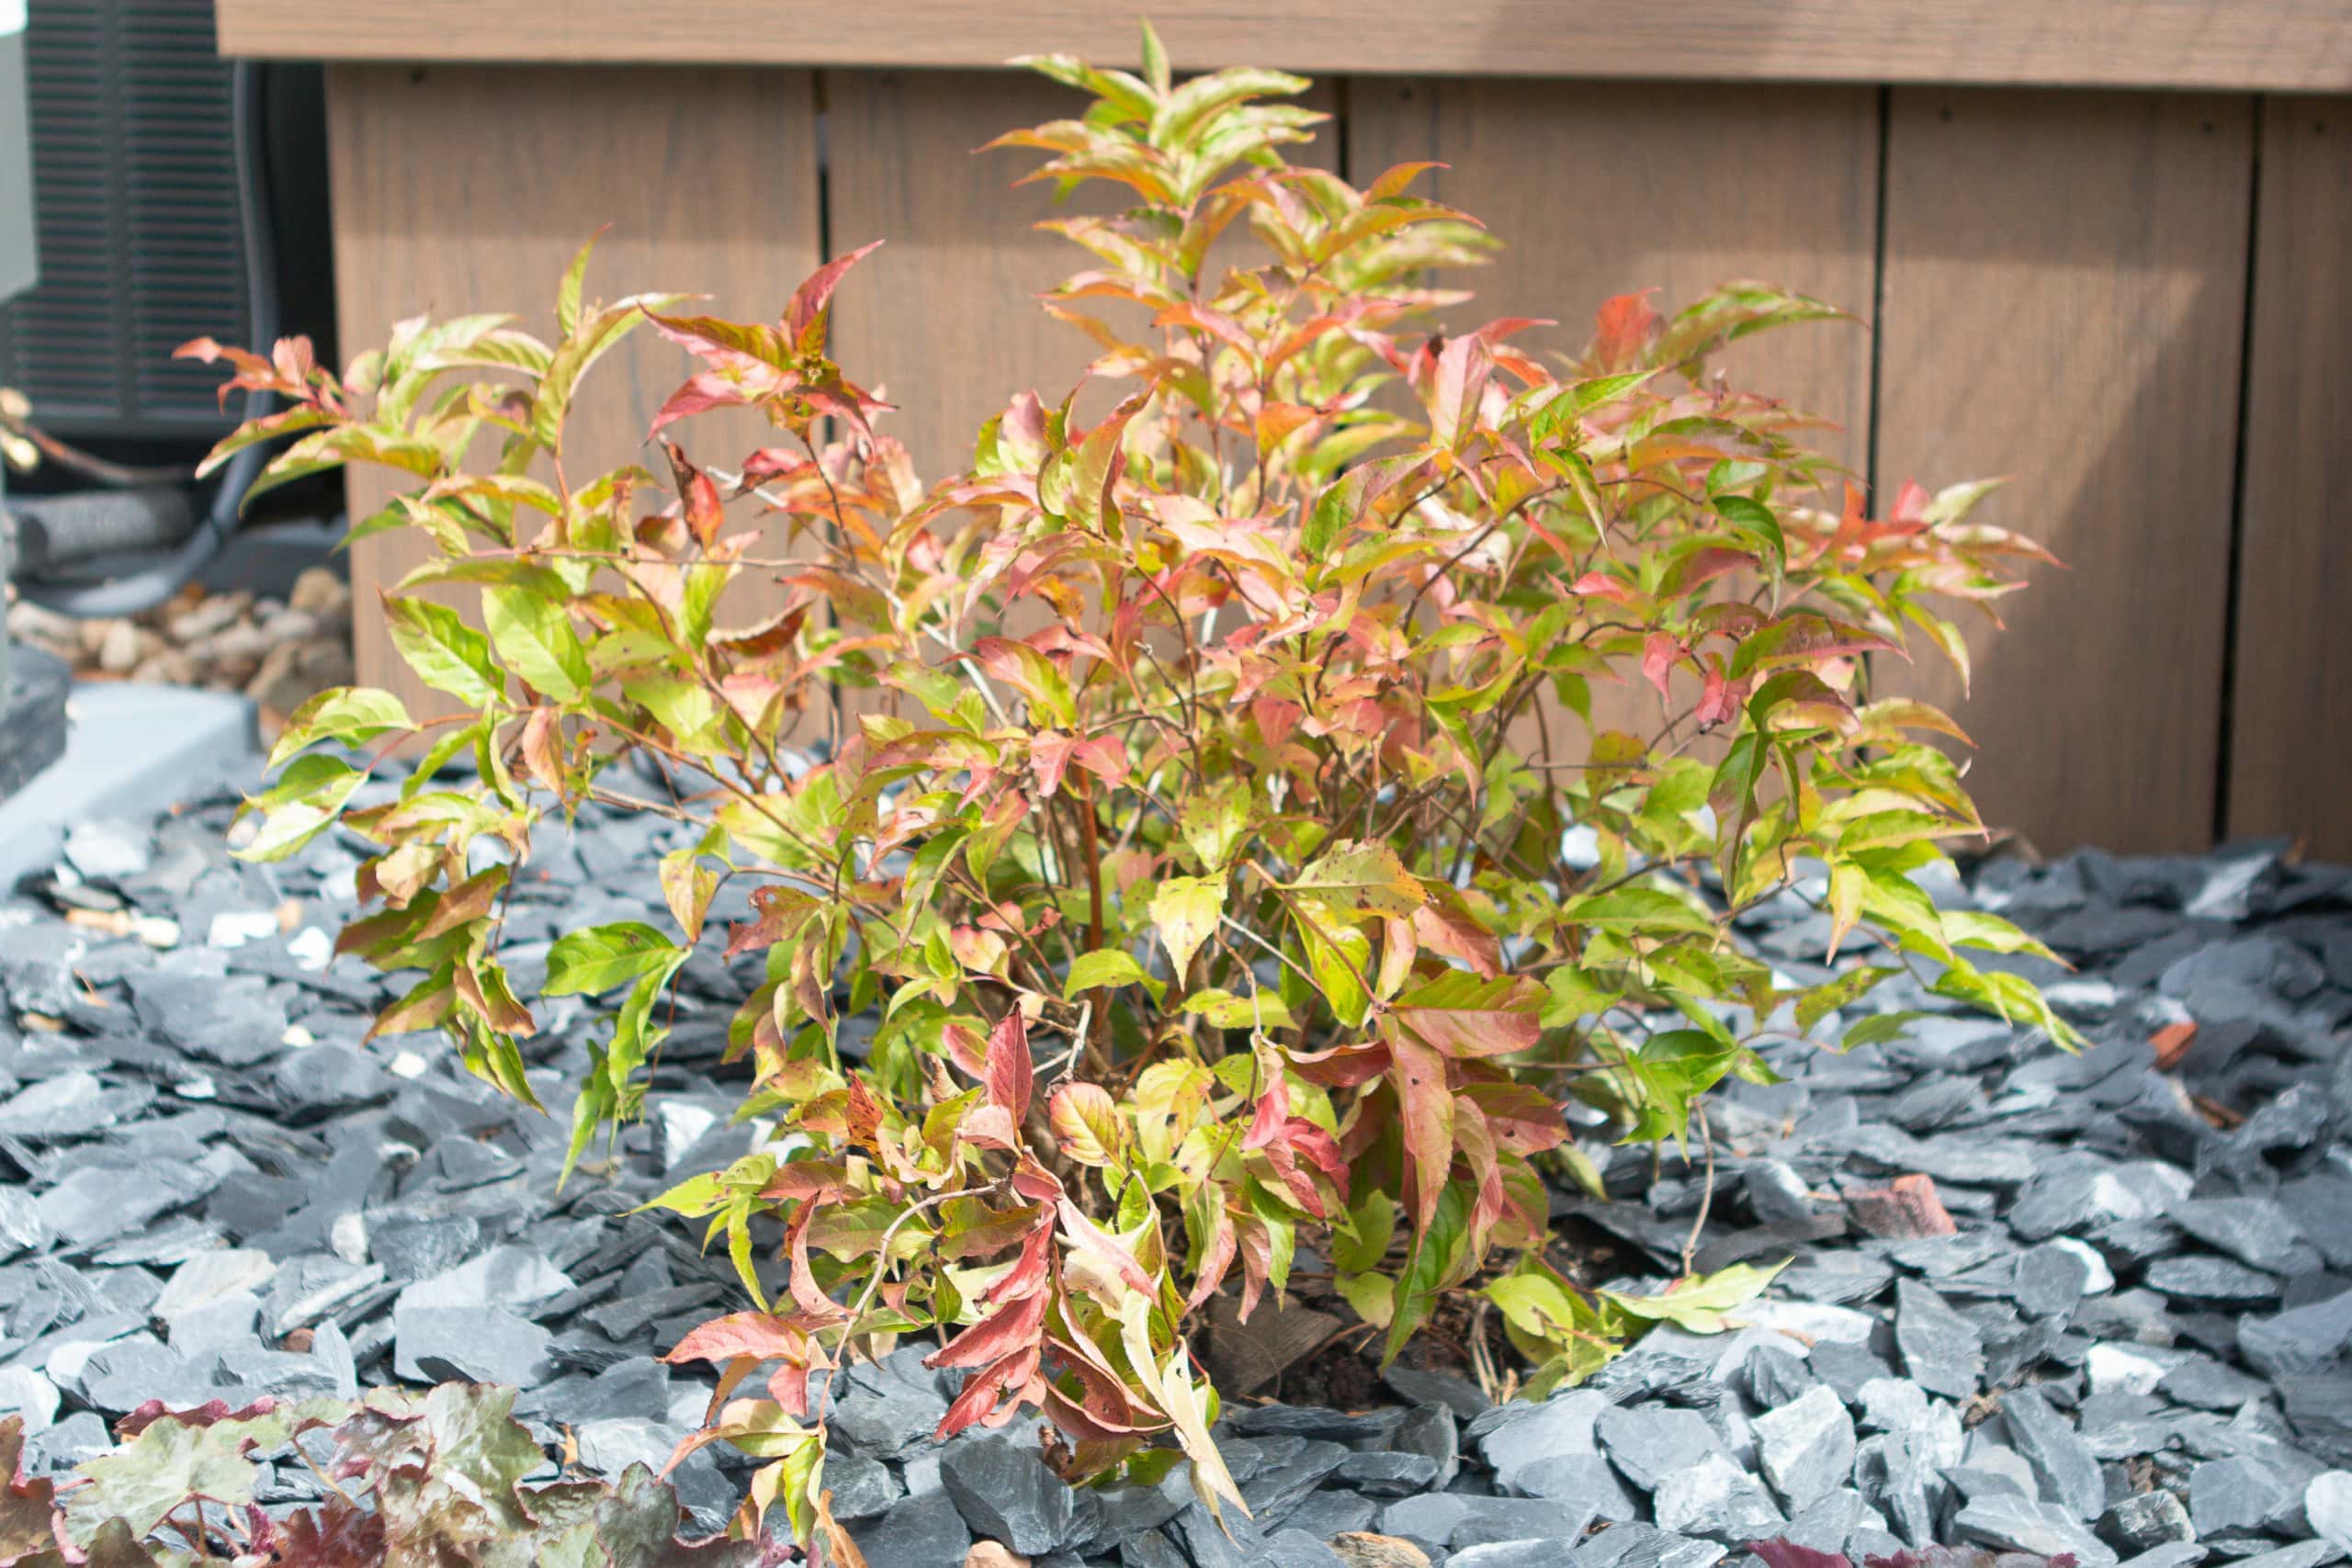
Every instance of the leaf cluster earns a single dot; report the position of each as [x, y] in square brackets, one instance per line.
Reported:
[440, 1476]
[1191, 828]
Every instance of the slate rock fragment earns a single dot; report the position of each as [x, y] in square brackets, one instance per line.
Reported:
[2064, 1465]
[1007, 1495]
[1805, 1448]
[1942, 1350]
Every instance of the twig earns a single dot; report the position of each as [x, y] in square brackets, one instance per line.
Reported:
[1706, 1196]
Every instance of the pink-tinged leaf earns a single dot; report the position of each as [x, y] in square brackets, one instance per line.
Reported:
[967, 1050]
[1011, 1071]
[1446, 925]
[1104, 758]
[1049, 755]
[761, 1335]
[1098, 1243]
[809, 300]
[991, 1126]
[702, 392]
[212, 1412]
[1803, 638]
[1600, 585]
[1661, 651]
[1425, 1112]
[1217, 1258]
[1273, 1111]
[1462, 1016]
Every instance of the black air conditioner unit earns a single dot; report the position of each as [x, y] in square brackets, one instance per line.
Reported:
[140, 224]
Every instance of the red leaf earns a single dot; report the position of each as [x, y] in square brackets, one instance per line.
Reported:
[1011, 1327]
[1049, 755]
[1028, 1272]
[1719, 700]
[1425, 1106]
[1010, 1070]
[1342, 1066]
[1600, 585]
[977, 1403]
[697, 495]
[1273, 1106]
[1621, 328]
[1779, 1553]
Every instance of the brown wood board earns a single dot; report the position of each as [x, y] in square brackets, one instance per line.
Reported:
[2063, 303]
[2290, 724]
[2276, 45]
[465, 188]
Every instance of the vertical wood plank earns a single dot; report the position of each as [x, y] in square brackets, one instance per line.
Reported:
[462, 188]
[2063, 303]
[944, 318]
[1599, 189]
[2291, 728]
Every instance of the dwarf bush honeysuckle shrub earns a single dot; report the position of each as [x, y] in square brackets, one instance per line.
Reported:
[1230, 899]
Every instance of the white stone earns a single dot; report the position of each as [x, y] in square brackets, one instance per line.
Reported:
[234, 927]
[2123, 1368]
[2328, 1501]
[2102, 1278]
[28, 1394]
[1814, 1321]
[209, 1276]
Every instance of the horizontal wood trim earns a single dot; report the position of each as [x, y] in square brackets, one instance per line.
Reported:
[2261, 45]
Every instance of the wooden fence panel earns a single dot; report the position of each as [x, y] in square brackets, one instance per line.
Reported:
[461, 189]
[1599, 189]
[2291, 728]
[2062, 302]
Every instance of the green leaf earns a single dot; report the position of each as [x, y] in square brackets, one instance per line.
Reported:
[1821, 1000]
[353, 714]
[1643, 911]
[310, 794]
[1367, 876]
[1372, 1225]
[1879, 1029]
[167, 1465]
[1262, 1009]
[1186, 910]
[447, 654]
[1437, 1253]
[1700, 1302]
[1112, 967]
[602, 957]
[534, 637]
[1752, 520]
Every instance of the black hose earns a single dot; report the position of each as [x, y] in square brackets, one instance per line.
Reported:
[151, 585]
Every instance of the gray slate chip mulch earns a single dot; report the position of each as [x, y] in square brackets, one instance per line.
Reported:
[2133, 1347]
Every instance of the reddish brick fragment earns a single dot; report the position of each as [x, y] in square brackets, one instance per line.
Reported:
[1904, 1209]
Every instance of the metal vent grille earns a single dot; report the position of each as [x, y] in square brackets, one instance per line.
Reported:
[135, 197]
